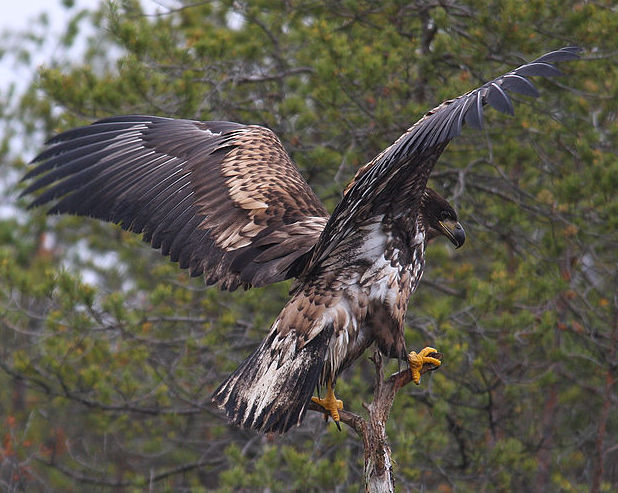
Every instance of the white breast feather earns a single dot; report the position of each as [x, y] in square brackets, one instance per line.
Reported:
[345, 334]
[380, 276]
[375, 239]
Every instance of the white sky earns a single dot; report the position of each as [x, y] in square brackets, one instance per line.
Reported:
[19, 15]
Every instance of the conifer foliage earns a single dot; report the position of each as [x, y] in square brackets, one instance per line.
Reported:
[109, 353]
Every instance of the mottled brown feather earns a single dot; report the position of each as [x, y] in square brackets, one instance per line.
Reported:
[222, 198]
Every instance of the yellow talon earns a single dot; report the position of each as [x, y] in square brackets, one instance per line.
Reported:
[417, 360]
[330, 403]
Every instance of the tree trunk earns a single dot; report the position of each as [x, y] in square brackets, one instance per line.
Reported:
[378, 462]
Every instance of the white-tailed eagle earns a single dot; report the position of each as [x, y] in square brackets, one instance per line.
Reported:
[226, 201]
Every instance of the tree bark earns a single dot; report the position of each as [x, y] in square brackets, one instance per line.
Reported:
[378, 471]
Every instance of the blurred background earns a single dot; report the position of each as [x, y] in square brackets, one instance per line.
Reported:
[109, 352]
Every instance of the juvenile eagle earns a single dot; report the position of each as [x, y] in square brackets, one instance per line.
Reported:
[225, 200]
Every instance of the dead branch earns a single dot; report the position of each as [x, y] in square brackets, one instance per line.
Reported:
[378, 461]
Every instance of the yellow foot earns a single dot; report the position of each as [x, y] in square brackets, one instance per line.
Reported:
[331, 404]
[417, 360]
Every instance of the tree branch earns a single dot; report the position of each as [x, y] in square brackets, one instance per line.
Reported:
[378, 461]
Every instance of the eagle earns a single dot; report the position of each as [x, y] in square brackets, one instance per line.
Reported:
[225, 201]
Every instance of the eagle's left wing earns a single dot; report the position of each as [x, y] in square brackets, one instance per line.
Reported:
[393, 182]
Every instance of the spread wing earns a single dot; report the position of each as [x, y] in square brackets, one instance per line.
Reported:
[221, 198]
[392, 184]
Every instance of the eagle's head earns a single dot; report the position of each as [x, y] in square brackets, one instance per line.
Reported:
[439, 218]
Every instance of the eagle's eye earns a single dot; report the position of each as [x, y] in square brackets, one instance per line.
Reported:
[444, 215]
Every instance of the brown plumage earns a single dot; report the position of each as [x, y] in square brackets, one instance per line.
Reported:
[225, 200]
[221, 198]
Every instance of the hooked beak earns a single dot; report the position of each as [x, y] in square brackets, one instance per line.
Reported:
[453, 231]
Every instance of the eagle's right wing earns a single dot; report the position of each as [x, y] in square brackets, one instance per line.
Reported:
[223, 199]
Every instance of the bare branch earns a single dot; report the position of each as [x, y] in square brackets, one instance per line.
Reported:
[378, 461]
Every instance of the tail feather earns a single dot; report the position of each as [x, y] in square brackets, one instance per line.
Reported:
[270, 390]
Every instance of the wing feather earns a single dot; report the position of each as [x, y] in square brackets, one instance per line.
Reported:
[394, 181]
[223, 199]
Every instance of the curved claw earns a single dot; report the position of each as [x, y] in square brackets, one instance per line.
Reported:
[331, 404]
[417, 360]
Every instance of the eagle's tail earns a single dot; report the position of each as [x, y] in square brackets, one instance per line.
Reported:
[270, 390]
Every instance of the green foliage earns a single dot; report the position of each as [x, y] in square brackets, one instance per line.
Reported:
[109, 353]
